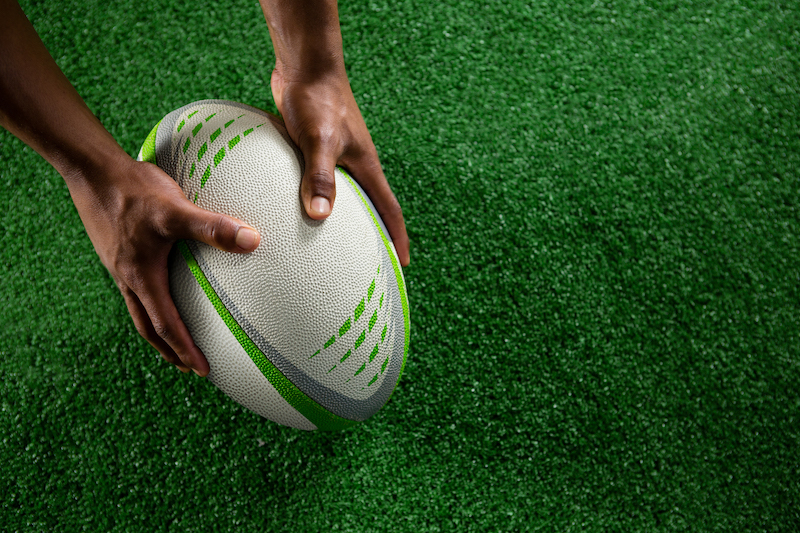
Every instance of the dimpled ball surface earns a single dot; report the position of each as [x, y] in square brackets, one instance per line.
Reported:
[310, 330]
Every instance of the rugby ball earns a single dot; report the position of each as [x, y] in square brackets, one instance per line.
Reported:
[310, 330]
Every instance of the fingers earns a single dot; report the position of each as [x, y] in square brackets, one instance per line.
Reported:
[162, 326]
[318, 188]
[145, 281]
[220, 231]
[371, 178]
[145, 328]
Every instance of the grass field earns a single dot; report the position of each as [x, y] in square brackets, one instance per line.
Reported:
[602, 199]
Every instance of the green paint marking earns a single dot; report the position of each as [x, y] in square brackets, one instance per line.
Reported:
[215, 134]
[383, 366]
[209, 117]
[181, 125]
[360, 339]
[195, 196]
[248, 131]
[360, 369]
[206, 174]
[375, 377]
[345, 327]
[219, 156]
[148, 151]
[186, 144]
[315, 353]
[233, 142]
[259, 125]
[202, 151]
[383, 333]
[193, 113]
[373, 353]
[229, 123]
[240, 116]
[345, 356]
[317, 414]
[401, 286]
[329, 371]
[191, 172]
[196, 129]
[381, 304]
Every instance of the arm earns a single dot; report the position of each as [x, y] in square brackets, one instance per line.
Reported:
[133, 212]
[313, 94]
[40, 106]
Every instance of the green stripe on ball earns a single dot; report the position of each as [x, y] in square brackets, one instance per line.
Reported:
[314, 412]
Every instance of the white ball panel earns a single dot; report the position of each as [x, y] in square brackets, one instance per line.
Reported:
[232, 370]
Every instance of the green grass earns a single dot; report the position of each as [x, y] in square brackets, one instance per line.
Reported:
[602, 200]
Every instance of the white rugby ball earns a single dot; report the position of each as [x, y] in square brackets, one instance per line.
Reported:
[311, 329]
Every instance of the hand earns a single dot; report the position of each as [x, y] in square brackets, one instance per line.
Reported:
[322, 117]
[134, 213]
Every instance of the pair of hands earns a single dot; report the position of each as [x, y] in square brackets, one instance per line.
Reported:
[149, 212]
[134, 212]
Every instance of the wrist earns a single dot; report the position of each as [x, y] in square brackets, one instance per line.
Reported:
[312, 67]
[88, 160]
[306, 37]
[92, 169]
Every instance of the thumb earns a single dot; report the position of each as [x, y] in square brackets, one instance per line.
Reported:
[215, 229]
[318, 188]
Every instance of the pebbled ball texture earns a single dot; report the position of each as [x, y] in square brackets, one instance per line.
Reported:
[311, 329]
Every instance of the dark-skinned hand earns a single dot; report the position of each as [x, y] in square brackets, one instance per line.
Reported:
[133, 215]
[322, 117]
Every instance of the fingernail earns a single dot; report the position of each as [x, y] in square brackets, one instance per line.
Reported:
[246, 238]
[196, 372]
[321, 205]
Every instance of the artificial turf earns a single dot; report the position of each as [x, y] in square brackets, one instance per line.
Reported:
[602, 199]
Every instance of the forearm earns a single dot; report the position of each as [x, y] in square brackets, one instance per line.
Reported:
[41, 107]
[306, 37]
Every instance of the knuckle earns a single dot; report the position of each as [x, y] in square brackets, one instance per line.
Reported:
[321, 176]
[219, 228]
[320, 182]
[163, 331]
[131, 279]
